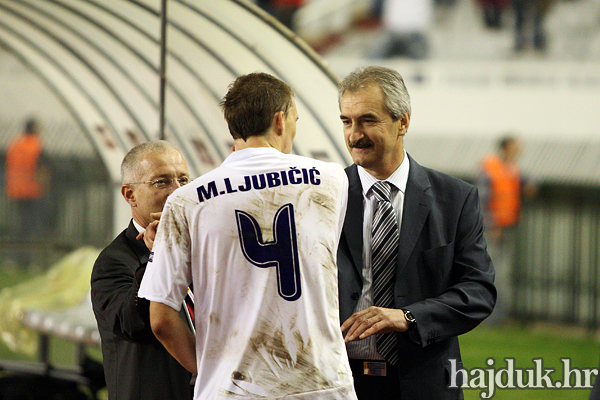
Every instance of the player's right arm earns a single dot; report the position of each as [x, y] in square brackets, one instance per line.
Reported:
[174, 334]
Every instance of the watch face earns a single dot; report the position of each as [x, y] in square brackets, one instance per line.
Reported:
[409, 317]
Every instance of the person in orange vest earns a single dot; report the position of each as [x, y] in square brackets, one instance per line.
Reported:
[502, 187]
[27, 177]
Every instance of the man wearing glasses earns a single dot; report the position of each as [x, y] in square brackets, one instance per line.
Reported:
[136, 365]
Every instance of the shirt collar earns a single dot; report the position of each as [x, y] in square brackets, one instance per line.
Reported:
[137, 226]
[250, 152]
[398, 178]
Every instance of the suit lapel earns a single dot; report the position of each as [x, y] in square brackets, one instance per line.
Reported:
[417, 204]
[353, 222]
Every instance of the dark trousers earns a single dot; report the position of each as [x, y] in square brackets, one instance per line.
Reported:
[30, 218]
[529, 12]
[31, 224]
[375, 387]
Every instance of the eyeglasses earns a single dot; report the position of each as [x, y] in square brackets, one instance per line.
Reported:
[163, 183]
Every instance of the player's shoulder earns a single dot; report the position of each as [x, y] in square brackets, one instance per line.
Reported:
[211, 175]
[319, 164]
[329, 171]
[187, 193]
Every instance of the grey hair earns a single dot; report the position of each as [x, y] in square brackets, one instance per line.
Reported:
[130, 167]
[397, 99]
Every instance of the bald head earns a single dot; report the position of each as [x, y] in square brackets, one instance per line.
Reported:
[131, 167]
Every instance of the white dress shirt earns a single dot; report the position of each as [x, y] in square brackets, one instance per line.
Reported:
[366, 349]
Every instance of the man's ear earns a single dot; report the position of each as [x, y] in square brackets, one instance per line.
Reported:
[279, 122]
[128, 194]
[404, 122]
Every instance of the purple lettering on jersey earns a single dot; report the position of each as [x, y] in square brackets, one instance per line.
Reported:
[228, 186]
[273, 179]
[284, 178]
[293, 179]
[256, 184]
[313, 179]
[293, 176]
[305, 175]
[248, 185]
[204, 193]
[281, 253]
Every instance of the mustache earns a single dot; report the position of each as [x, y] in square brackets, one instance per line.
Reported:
[360, 143]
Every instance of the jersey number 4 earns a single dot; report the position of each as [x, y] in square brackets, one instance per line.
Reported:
[281, 253]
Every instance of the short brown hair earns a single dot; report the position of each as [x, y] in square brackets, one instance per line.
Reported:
[251, 102]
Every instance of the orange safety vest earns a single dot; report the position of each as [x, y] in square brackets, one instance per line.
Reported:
[505, 191]
[22, 169]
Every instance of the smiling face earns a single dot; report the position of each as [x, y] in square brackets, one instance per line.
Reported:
[373, 138]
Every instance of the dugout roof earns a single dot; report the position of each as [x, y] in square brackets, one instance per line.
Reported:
[102, 60]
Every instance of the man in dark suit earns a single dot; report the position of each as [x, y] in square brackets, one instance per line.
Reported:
[136, 365]
[440, 277]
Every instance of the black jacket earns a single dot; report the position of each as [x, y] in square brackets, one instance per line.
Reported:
[444, 274]
[136, 365]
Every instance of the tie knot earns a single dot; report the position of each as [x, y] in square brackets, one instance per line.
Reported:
[382, 190]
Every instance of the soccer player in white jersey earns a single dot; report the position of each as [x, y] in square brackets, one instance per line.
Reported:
[258, 237]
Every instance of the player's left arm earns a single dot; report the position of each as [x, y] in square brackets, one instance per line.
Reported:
[174, 334]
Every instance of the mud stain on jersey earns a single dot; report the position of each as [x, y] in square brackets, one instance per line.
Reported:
[328, 194]
[215, 319]
[331, 282]
[288, 364]
[175, 227]
[265, 204]
[325, 200]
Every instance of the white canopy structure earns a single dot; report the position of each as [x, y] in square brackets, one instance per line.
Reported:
[101, 58]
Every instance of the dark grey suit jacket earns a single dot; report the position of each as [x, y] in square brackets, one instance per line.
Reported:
[444, 274]
[136, 365]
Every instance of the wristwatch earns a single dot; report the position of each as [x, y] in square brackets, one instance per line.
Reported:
[409, 317]
[412, 326]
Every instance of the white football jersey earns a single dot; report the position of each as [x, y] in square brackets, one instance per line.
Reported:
[258, 236]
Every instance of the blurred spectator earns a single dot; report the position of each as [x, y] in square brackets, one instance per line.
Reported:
[492, 12]
[377, 8]
[405, 29]
[529, 23]
[501, 186]
[27, 180]
[283, 10]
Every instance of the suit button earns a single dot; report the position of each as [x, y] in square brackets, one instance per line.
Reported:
[355, 296]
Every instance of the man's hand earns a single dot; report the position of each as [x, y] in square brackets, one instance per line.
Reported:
[372, 321]
[150, 233]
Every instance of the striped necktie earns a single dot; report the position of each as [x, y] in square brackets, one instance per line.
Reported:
[384, 252]
[188, 302]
